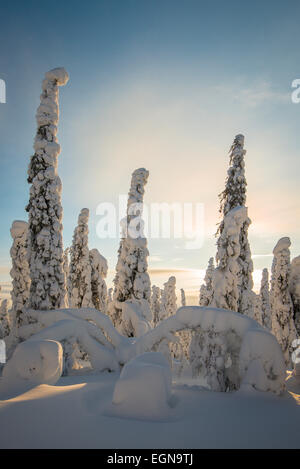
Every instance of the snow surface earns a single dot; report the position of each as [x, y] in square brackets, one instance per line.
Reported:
[144, 388]
[74, 414]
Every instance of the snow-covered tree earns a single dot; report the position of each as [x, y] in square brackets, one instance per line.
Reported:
[110, 295]
[225, 276]
[168, 299]
[283, 326]
[45, 245]
[182, 296]
[234, 195]
[265, 300]
[155, 304]
[20, 269]
[98, 275]
[132, 280]
[80, 290]
[295, 290]
[5, 325]
[66, 273]
[208, 357]
[257, 309]
[206, 289]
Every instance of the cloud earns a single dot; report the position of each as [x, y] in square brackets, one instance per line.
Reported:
[252, 95]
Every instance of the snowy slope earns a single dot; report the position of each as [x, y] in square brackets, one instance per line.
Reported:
[75, 414]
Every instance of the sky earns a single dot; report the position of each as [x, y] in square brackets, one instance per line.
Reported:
[165, 85]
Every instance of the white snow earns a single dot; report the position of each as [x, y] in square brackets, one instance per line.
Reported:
[34, 362]
[143, 390]
[75, 414]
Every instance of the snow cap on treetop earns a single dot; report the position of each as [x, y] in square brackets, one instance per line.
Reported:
[240, 139]
[59, 74]
[283, 243]
[18, 228]
[84, 216]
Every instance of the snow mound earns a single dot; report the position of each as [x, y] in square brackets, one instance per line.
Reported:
[34, 362]
[144, 388]
[59, 74]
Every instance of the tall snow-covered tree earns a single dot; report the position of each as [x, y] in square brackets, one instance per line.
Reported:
[110, 295]
[98, 275]
[66, 273]
[182, 295]
[168, 299]
[132, 281]
[283, 326]
[295, 290]
[265, 300]
[155, 304]
[206, 289]
[257, 309]
[234, 195]
[20, 269]
[5, 325]
[80, 290]
[225, 276]
[45, 245]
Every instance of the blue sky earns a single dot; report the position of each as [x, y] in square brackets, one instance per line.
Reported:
[164, 85]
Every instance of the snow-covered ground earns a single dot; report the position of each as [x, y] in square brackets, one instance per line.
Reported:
[77, 413]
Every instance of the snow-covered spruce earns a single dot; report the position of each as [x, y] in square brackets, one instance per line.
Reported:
[5, 324]
[45, 245]
[257, 308]
[110, 295]
[265, 300]
[206, 289]
[234, 195]
[98, 275]
[66, 268]
[295, 290]
[80, 291]
[132, 280]
[155, 304]
[182, 297]
[20, 269]
[168, 299]
[283, 326]
[225, 276]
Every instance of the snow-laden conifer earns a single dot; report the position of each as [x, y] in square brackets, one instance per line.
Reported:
[98, 275]
[45, 245]
[265, 300]
[168, 299]
[155, 304]
[234, 195]
[283, 326]
[295, 290]
[225, 276]
[80, 291]
[20, 269]
[5, 324]
[132, 280]
[206, 289]
[182, 297]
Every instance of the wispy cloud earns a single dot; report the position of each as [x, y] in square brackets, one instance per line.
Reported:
[253, 95]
